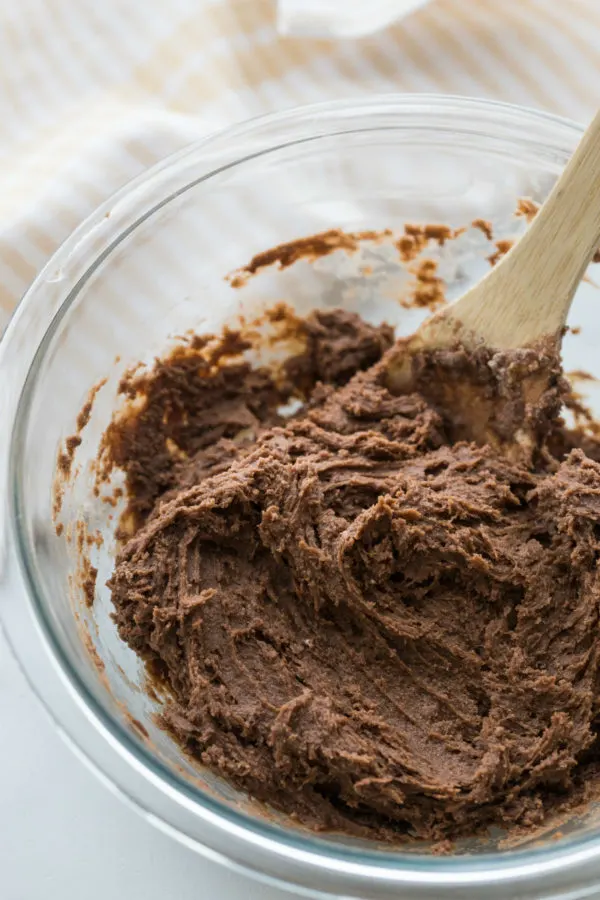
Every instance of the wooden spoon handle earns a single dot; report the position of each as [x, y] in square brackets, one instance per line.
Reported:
[528, 293]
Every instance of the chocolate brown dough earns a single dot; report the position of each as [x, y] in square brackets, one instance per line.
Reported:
[364, 623]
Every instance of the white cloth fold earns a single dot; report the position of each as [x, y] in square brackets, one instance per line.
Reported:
[341, 18]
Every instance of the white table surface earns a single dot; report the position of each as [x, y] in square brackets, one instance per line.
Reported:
[65, 836]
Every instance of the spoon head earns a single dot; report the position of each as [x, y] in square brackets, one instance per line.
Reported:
[508, 399]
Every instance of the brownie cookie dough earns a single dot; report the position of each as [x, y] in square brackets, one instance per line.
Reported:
[363, 619]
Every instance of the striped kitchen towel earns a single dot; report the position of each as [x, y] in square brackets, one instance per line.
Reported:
[92, 93]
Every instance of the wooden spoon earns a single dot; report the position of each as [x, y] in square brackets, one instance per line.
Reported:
[522, 302]
[526, 297]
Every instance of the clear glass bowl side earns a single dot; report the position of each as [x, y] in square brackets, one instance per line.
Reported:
[149, 266]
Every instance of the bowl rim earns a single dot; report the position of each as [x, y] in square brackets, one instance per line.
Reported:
[104, 230]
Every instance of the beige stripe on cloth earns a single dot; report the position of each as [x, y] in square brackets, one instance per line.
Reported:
[91, 94]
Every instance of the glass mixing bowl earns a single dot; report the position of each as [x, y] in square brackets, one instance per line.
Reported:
[148, 266]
